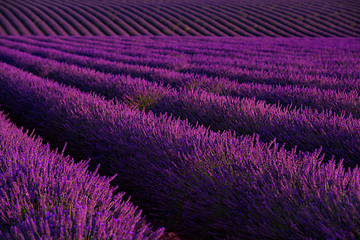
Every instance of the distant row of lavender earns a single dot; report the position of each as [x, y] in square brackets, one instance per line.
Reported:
[247, 61]
[260, 18]
[202, 184]
[46, 196]
[227, 62]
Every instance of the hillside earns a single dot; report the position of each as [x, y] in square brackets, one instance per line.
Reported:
[273, 18]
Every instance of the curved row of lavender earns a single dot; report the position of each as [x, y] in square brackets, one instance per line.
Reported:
[337, 70]
[314, 18]
[203, 184]
[336, 134]
[45, 195]
[324, 68]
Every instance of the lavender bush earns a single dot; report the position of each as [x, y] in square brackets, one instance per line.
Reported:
[45, 195]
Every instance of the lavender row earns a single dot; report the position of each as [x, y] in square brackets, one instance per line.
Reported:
[293, 29]
[318, 29]
[223, 46]
[7, 27]
[69, 23]
[313, 97]
[183, 64]
[243, 116]
[109, 25]
[343, 67]
[260, 30]
[224, 21]
[133, 91]
[215, 43]
[176, 79]
[37, 25]
[322, 20]
[334, 66]
[126, 142]
[220, 29]
[338, 60]
[346, 48]
[47, 196]
[261, 155]
[172, 78]
[335, 19]
[209, 185]
[28, 24]
[88, 21]
[46, 23]
[169, 44]
[215, 66]
[151, 26]
[14, 22]
[176, 25]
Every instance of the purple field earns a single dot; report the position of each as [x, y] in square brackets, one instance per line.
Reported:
[179, 120]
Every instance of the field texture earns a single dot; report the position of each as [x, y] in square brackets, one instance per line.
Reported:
[273, 18]
[251, 135]
[202, 173]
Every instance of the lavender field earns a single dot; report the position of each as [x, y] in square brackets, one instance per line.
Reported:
[176, 120]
